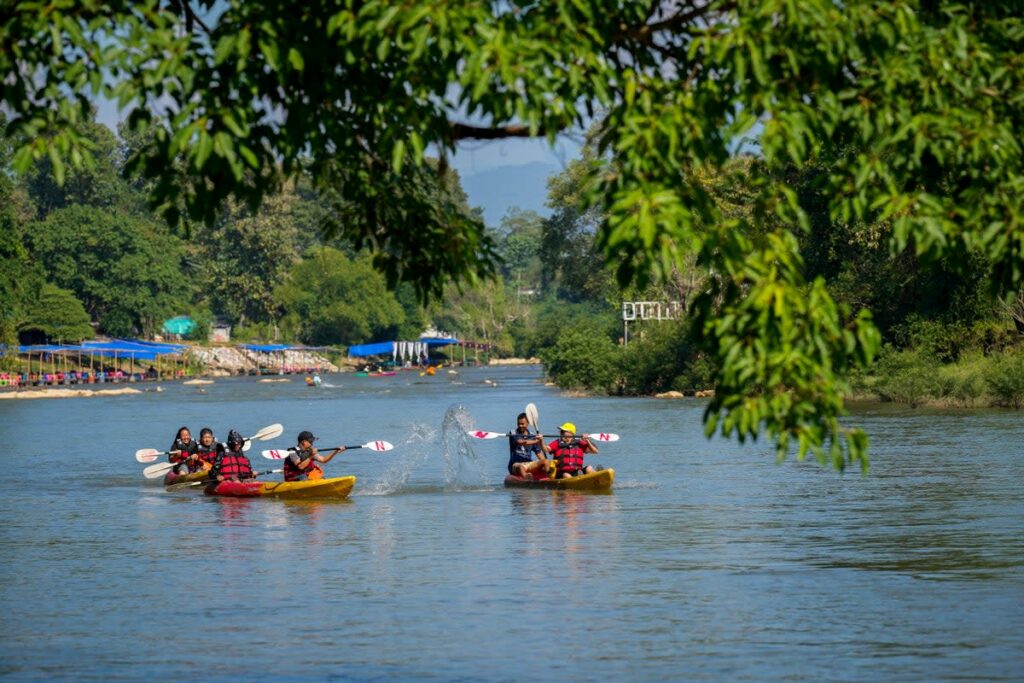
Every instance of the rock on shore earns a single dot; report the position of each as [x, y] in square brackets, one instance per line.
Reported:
[225, 360]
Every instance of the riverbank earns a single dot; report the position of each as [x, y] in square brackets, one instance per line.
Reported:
[49, 392]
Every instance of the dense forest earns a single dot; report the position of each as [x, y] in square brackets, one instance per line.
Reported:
[88, 255]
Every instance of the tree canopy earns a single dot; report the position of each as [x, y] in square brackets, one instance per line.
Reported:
[925, 96]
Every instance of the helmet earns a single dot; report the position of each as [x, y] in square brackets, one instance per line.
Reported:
[235, 440]
[306, 436]
[568, 427]
[204, 431]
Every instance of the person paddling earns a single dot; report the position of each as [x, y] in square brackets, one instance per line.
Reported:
[568, 451]
[301, 463]
[208, 448]
[231, 464]
[183, 450]
[522, 446]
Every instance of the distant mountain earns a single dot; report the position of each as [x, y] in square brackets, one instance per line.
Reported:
[497, 189]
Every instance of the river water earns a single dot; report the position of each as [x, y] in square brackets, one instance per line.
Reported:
[707, 562]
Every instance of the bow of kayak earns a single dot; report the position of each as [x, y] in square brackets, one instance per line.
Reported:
[335, 487]
[174, 478]
[601, 480]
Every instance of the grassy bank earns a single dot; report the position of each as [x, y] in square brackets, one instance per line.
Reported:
[974, 380]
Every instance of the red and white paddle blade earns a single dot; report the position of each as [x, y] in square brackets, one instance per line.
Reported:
[275, 455]
[147, 455]
[379, 446]
[603, 437]
[485, 435]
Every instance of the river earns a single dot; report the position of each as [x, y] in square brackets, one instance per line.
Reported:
[707, 562]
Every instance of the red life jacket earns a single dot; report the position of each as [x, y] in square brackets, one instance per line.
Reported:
[230, 464]
[568, 456]
[186, 450]
[292, 471]
[208, 455]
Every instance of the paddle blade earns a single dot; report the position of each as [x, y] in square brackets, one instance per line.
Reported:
[603, 437]
[532, 416]
[379, 446]
[485, 435]
[246, 446]
[267, 433]
[158, 470]
[274, 454]
[188, 485]
[147, 454]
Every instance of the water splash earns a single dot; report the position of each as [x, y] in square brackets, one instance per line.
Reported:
[463, 469]
[413, 454]
[460, 460]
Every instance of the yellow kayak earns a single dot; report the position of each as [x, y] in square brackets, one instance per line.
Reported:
[601, 480]
[335, 487]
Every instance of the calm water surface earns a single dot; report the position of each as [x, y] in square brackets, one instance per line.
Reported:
[707, 562]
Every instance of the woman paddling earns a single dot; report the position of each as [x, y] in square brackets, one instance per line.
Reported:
[182, 451]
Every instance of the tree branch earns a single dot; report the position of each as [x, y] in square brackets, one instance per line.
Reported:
[645, 32]
[462, 131]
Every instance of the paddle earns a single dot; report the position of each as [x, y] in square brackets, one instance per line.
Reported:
[379, 446]
[271, 432]
[532, 416]
[206, 482]
[495, 435]
[151, 454]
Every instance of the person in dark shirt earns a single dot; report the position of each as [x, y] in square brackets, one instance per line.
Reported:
[522, 446]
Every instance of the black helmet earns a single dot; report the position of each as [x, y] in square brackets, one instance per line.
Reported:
[235, 440]
[204, 431]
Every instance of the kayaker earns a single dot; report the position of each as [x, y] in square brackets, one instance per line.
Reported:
[182, 450]
[568, 451]
[208, 449]
[301, 463]
[522, 446]
[231, 464]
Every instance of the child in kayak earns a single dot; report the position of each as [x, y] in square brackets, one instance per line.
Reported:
[182, 451]
[522, 446]
[568, 451]
[208, 449]
[301, 463]
[231, 464]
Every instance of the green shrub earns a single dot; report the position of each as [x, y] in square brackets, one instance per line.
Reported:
[1005, 380]
[583, 360]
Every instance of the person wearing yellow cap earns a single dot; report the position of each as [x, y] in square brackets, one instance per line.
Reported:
[568, 451]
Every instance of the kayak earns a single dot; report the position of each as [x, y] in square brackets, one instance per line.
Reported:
[172, 478]
[601, 480]
[335, 487]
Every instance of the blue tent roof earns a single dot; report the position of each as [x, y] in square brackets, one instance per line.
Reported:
[386, 348]
[375, 349]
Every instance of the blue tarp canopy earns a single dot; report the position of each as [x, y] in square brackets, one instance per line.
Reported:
[46, 348]
[266, 347]
[387, 348]
[439, 341]
[375, 349]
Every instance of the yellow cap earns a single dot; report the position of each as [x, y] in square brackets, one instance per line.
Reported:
[568, 427]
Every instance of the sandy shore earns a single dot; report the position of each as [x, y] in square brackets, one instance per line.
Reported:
[69, 393]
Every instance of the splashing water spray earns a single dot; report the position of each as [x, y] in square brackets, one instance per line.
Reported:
[460, 460]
